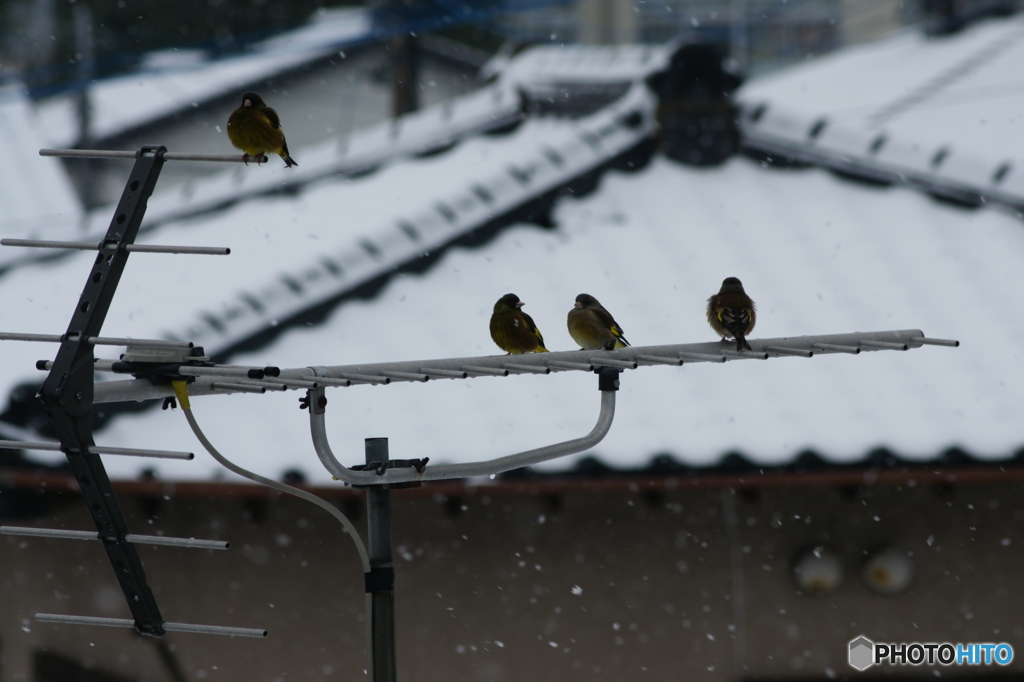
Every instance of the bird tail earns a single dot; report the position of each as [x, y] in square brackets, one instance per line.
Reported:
[741, 343]
[288, 160]
[541, 349]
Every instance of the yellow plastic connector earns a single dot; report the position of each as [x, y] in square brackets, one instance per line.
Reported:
[181, 391]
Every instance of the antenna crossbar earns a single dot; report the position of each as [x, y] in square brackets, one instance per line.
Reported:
[169, 627]
[131, 537]
[802, 353]
[538, 363]
[96, 340]
[129, 154]
[657, 360]
[95, 449]
[130, 248]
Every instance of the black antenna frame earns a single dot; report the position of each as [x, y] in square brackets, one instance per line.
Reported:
[67, 392]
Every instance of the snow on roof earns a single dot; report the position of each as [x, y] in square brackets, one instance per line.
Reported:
[429, 129]
[364, 150]
[35, 193]
[581, 63]
[361, 151]
[819, 255]
[943, 110]
[333, 237]
[126, 102]
[486, 179]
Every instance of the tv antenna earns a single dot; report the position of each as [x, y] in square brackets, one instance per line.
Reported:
[166, 369]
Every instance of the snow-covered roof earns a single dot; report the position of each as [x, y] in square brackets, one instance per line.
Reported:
[492, 107]
[818, 254]
[35, 194]
[166, 86]
[421, 132]
[940, 113]
[487, 178]
[344, 234]
[362, 151]
[580, 64]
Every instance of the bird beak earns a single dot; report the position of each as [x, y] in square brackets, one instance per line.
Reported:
[247, 103]
[577, 304]
[520, 304]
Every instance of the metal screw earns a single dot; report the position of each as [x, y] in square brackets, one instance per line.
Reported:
[78, 395]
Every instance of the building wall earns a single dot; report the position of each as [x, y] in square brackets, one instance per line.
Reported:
[759, 35]
[582, 582]
[865, 20]
[607, 22]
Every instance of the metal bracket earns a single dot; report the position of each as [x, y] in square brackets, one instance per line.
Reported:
[381, 468]
[416, 470]
[607, 378]
[160, 366]
[379, 579]
[67, 392]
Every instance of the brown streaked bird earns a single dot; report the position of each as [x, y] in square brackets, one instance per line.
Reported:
[513, 330]
[593, 327]
[255, 129]
[731, 313]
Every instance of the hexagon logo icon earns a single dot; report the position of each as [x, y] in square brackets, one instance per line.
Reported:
[862, 653]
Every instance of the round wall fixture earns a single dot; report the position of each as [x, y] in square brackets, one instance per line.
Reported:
[818, 571]
[888, 570]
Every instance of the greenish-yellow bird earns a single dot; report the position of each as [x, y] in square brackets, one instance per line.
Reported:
[731, 313]
[593, 327]
[513, 330]
[255, 129]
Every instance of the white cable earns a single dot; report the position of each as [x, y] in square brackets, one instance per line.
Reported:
[291, 490]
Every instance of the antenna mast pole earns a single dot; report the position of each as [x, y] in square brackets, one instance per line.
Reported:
[380, 581]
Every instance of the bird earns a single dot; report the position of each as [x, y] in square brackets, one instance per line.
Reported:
[255, 129]
[513, 330]
[732, 313]
[593, 327]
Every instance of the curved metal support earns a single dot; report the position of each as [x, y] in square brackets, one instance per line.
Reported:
[291, 490]
[444, 471]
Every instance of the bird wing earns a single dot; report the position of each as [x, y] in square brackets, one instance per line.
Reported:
[532, 327]
[272, 118]
[605, 319]
[732, 316]
[739, 320]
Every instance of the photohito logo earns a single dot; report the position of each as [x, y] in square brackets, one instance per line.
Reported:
[863, 653]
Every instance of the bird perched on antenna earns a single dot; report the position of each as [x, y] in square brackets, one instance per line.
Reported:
[513, 330]
[593, 327]
[731, 313]
[255, 129]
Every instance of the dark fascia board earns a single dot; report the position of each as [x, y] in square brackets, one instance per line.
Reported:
[857, 476]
